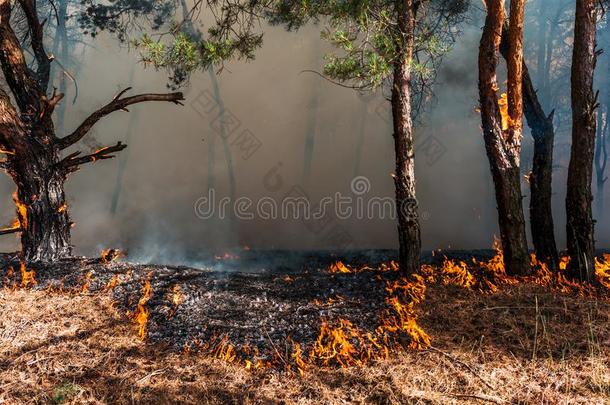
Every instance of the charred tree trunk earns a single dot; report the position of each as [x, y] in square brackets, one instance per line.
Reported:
[41, 205]
[601, 143]
[580, 225]
[503, 146]
[541, 186]
[406, 200]
[601, 159]
[27, 135]
[541, 177]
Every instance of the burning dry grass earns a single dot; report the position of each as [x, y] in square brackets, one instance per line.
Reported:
[521, 344]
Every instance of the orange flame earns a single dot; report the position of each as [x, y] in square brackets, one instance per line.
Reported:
[339, 267]
[28, 278]
[87, 283]
[110, 255]
[226, 256]
[342, 342]
[602, 270]
[503, 104]
[114, 281]
[22, 213]
[141, 312]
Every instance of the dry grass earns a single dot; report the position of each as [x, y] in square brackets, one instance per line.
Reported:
[522, 345]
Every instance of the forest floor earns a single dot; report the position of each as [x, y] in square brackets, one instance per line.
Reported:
[523, 343]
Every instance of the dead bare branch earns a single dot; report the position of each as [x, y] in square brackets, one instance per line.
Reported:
[116, 104]
[72, 161]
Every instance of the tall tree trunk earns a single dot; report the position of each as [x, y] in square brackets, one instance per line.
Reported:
[503, 146]
[311, 127]
[406, 200]
[541, 184]
[601, 143]
[40, 199]
[580, 225]
[224, 137]
[541, 46]
[541, 177]
[601, 159]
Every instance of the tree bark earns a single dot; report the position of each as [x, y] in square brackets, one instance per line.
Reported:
[580, 225]
[503, 146]
[541, 177]
[406, 200]
[41, 206]
[601, 159]
[541, 187]
[601, 143]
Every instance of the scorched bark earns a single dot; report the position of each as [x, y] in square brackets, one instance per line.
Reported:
[580, 232]
[503, 146]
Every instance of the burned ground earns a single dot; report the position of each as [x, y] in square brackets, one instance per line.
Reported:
[74, 337]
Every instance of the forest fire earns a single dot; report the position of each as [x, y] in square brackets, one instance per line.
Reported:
[109, 255]
[339, 267]
[21, 220]
[22, 212]
[226, 256]
[503, 104]
[140, 316]
[337, 338]
[28, 277]
[349, 282]
[602, 270]
[341, 341]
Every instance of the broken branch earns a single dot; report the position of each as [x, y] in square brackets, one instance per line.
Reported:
[8, 231]
[116, 104]
[72, 160]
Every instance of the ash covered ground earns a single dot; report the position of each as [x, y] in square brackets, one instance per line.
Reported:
[261, 300]
[265, 308]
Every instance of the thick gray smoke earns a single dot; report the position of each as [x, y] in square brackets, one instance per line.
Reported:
[273, 102]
